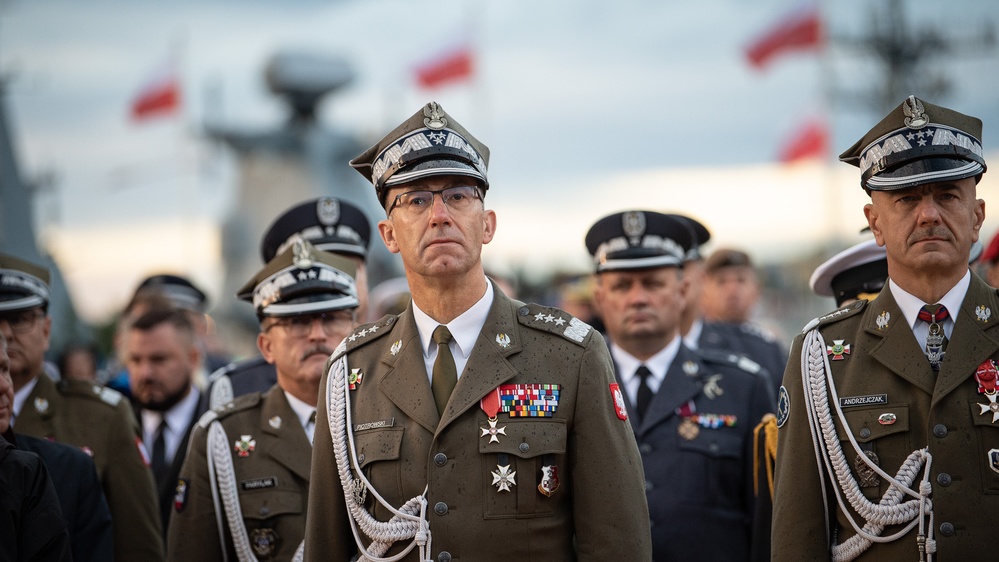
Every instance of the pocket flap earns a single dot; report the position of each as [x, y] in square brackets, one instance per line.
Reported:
[873, 422]
[375, 445]
[526, 437]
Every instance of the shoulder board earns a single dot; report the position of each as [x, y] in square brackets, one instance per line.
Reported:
[109, 396]
[244, 402]
[220, 391]
[366, 333]
[845, 312]
[207, 418]
[735, 360]
[758, 331]
[554, 320]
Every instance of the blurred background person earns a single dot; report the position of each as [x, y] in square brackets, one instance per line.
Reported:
[78, 361]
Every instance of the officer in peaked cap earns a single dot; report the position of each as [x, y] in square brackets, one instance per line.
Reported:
[469, 411]
[692, 412]
[911, 373]
[248, 465]
[858, 272]
[329, 224]
[78, 413]
[181, 292]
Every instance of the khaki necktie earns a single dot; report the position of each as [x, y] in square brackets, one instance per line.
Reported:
[445, 374]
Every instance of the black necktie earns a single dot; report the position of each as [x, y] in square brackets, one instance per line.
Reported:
[445, 374]
[936, 340]
[644, 392]
[159, 464]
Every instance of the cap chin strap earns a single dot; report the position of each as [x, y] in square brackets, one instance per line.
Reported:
[409, 522]
[820, 390]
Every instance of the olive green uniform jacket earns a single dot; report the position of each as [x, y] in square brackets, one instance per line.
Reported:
[404, 446]
[100, 421]
[271, 478]
[886, 368]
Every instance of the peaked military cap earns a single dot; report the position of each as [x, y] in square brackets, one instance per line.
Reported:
[861, 268]
[699, 236]
[918, 143]
[331, 225]
[302, 280]
[430, 143]
[638, 240]
[180, 291]
[23, 284]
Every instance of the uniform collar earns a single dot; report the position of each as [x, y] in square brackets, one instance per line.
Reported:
[177, 418]
[303, 411]
[21, 396]
[910, 304]
[464, 329]
[658, 364]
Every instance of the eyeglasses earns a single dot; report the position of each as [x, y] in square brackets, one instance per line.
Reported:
[333, 323]
[457, 199]
[22, 321]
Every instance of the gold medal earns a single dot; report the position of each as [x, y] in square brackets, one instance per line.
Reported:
[688, 430]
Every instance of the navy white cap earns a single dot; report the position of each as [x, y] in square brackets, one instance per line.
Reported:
[430, 143]
[23, 285]
[302, 280]
[861, 268]
[918, 143]
[699, 233]
[330, 224]
[638, 240]
[180, 291]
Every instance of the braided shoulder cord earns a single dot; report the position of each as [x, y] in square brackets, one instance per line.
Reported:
[221, 392]
[890, 510]
[408, 522]
[221, 461]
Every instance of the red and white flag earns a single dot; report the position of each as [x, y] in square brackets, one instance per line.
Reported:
[160, 95]
[798, 31]
[811, 140]
[453, 65]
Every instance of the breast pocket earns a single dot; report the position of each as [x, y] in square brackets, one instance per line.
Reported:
[882, 432]
[988, 444]
[529, 453]
[378, 452]
[275, 520]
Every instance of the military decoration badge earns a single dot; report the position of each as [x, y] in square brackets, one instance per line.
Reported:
[993, 458]
[245, 445]
[143, 453]
[529, 400]
[394, 350]
[549, 480]
[838, 350]
[180, 494]
[354, 378]
[264, 541]
[983, 313]
[883, 319]
[41, 405]
[490, 404]
[503, 478]
[986, 376]
[503, 340]
[783, 407]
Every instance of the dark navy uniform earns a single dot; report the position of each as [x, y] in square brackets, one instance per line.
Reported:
[748, 341]
[696, 440]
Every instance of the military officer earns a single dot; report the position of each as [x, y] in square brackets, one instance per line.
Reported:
[331, 225]
[258, 447]
[98, 420]
[899, 394]
[692, 413]
[470, 426]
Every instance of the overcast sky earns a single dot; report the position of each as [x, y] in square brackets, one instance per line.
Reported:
[586, 106]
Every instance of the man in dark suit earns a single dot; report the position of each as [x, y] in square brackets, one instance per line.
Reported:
[161, 354]
[888, 416]
[493, 427]
[692, 413]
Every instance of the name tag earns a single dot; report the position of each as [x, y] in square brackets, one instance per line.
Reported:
[375, 424]
[863, 400]
[259, 483]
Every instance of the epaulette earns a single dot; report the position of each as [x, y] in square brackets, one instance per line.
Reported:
[244, 402]
[554, 320]
[758, 331]
[365, 333]
[845, 312]
[740, 362]
[109, 396]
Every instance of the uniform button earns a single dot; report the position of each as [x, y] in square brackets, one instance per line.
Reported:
[264, 510]
[648, 486]
[865, 433]
[940, 430]
[645, 448]
[713, 447]
[524, 311]
[524, 447]
[360, 458]
[444, 556]
[440, 508]
[440, 459]
[946, 529]
[943, 479]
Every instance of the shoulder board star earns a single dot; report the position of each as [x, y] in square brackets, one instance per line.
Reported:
[353, 337]
[549, 318]
[363, 332]
[312, 274]
[559, 321]
[373, 329]
[539, 316]
[302, 276]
